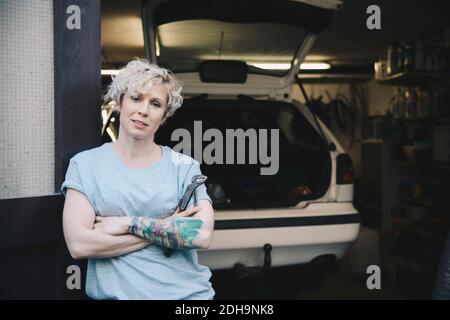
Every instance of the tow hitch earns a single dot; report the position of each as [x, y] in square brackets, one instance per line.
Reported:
[257, 278]
[243, 271]
[267, 256]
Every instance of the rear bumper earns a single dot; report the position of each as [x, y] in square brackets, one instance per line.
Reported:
[296, 235]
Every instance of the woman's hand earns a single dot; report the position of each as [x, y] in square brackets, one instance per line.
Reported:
[114, 226]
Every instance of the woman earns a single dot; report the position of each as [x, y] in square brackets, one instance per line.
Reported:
[121, 211]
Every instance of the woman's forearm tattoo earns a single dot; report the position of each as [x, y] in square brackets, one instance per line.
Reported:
[170, 233]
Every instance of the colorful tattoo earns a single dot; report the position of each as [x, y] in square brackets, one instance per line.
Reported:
[172, 233]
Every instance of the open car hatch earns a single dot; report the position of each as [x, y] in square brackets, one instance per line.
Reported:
[255, 37]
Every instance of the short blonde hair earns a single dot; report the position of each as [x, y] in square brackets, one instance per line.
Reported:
[138, 74]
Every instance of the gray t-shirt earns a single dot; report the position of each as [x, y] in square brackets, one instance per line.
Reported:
[114, 189]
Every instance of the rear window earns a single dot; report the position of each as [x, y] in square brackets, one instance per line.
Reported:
[304, 159]
[244, 114]
[267, 48]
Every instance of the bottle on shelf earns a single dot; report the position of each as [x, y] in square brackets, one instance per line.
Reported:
[435, 103]
[429, 58]
[410, 103]
[397, 104]
[419, 55]
[380, 68]
[423, 103]
[400, 56]
[392, 59]
[439, 59]
[408, 56]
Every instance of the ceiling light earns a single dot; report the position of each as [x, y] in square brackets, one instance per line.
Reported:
[315, 66]
[271, 66]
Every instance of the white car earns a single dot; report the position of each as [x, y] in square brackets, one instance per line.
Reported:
[238, 61]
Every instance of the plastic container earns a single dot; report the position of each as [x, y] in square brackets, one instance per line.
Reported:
[419, 56]
[410, 103]
[429, 58]
[423, 103]
[400, 103]
[392, 59]
[408, 56]
[380, 68]
[400, 57]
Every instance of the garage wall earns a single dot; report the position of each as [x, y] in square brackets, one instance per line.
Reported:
[27, 91]
[317, 90]
[378, 97]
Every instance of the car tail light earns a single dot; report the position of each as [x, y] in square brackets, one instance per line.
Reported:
[344, 172]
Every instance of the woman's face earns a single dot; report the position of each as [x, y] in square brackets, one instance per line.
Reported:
[141, 115]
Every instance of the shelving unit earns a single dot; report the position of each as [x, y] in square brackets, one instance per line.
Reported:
[431, 165]
[413, 224]
[413, 78]
[418, 202]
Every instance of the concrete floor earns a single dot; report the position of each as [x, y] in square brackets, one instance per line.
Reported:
[297, 283]
[345, 279]
[342, 287]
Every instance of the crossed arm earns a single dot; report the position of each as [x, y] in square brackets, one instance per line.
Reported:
[103, 237]
[178, 231]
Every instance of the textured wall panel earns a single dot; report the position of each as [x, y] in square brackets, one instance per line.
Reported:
[27, 92]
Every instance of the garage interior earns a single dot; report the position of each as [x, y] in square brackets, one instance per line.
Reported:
[386, 98]
[401, 174]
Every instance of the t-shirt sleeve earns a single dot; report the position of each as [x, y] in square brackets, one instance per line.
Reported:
[73, 178]
[201, 193]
